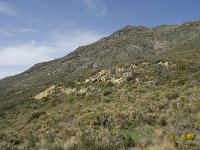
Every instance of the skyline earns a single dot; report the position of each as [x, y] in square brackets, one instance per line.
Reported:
[35, 31]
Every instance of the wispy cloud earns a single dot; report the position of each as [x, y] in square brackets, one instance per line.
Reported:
[26, 30]
[7, 9]
[5, 33]
[13, 32]
[95, 6]
[61, 43]
[70, 40]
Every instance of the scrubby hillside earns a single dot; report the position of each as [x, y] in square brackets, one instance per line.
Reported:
[136, 89]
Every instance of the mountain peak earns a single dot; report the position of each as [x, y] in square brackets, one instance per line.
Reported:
[135, 28]
[130, 29]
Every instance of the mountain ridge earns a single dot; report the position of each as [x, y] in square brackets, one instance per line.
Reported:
[128, 27]
[120, 92]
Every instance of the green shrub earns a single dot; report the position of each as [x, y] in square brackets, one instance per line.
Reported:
[172, 95]
[109, 84]
[31, 141]
[107, 92]
[137, 136]
[37, 114]
[56, 146]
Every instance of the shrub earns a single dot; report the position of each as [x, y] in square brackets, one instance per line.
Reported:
[137, 136]
[109, 84]
[37, 114]
[172, 95]
[56, 146]
[15, 141]
[188, 136]
[107, 92]
[32, 140]
[162, 120]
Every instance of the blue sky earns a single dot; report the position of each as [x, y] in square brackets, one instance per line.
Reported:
[33, 31]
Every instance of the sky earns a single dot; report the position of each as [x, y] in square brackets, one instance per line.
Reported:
[33, 31]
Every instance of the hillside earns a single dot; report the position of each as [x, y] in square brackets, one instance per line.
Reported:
[136, 89]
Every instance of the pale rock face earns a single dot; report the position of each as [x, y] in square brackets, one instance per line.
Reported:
[45, 93]
[126, 74]
[166, 64]
[117, 81]
[68, 90]
[159, 45]
[99, 76]
[145, 63]
[77, 82]
[160, 63]
[52, 89]
[106, 75]
[82, 90]
[102, 72]
[137, 80]
[87, 80]
[133, 66]
[119, 70]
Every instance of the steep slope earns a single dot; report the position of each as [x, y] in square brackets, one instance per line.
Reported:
[134, 88]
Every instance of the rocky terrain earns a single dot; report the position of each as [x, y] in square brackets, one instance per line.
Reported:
[136, 89]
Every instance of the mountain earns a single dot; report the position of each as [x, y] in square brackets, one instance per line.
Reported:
[136, 89]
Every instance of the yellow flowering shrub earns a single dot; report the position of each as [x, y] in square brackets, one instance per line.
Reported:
[190, 136]
[183, 136]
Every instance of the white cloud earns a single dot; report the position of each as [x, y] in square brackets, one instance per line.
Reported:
[34, 52]
[6, 73]
[26, 54]
[7, 9]
[95, 6]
